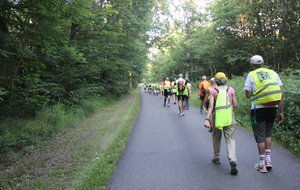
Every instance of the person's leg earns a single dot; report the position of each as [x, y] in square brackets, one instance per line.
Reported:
[216, 138]
[183, 104]
[187, 104]
[180, 106]
[179, 98]
[230, 142]
[165, 97]
[270, 119]
[230, 145]
[174, 97]
[259, 131]
[202, 103]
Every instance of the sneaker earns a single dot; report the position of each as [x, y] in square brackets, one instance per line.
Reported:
[174, 102]
[183, 114]
[261, 169]
[233, 170]
[210, 130]
[216, 160]
[201, 111]
[268, 164]
[180, 114]
[168, 105]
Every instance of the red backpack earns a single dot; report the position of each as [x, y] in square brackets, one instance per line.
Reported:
[181, 85]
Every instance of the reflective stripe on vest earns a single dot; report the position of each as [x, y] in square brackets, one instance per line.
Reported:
[223, 110]
[267, 88]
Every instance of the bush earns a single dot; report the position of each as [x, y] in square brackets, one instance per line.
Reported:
[28, 134]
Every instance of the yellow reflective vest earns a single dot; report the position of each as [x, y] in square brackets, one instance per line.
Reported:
[268, 91]
[167, 84]
[223, 110]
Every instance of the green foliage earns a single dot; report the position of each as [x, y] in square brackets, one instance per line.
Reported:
[92, 159]
[288, 133]
[68, 51]
[17, 134]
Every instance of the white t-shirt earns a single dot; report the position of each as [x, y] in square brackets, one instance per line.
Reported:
[251, 86]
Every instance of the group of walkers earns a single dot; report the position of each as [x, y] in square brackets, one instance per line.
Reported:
[265, 88]
[218, 101]
[179, 90]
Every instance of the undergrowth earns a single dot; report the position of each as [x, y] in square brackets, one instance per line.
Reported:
[23, 136]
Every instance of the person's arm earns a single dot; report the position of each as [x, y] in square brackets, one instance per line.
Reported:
[206, 95]
[281, 108]
[208, 122]
[234, 101]
[248, 86]
[248, 93]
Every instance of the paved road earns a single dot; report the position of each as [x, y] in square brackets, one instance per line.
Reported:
[168, 152]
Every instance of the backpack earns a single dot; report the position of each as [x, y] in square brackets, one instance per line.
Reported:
[181, 85]
[223, 109]
[204, 88]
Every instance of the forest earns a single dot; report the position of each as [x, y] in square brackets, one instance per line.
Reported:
[69, 52]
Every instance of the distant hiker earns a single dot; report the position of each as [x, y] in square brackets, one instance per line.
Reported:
[203, 87]
[221, 104]
[207, 97]
[181, 85]
[187, 93]
[174, 91]
[265, 86]
[167, 91]
[150, 87]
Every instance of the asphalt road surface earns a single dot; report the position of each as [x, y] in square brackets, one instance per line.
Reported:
[168, 152]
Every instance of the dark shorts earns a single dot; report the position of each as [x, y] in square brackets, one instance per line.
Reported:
[207, 104]
[166, 93]
[181, 97]
[202, 97]
[265, 118]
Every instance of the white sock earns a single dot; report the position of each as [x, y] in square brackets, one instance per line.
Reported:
[268, 154]
[262, 160]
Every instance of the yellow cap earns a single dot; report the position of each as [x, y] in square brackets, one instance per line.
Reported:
[220, 75]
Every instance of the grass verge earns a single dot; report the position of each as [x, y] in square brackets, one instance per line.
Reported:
[83, 157]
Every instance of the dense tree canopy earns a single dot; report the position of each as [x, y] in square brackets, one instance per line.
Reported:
[227, 34]
[65, 51]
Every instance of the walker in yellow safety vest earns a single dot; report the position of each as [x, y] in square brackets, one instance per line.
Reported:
[167, 85]
[174, 89]
[268, 91]
[186, 92]
[223, 110]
